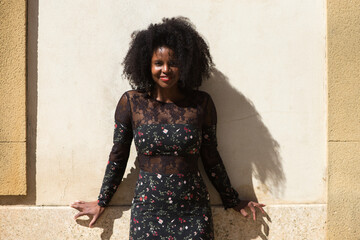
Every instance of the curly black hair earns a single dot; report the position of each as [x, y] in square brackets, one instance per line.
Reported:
[178, 34]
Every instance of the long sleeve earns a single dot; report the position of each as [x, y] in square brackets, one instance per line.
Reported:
[119, 153]
[211, 159]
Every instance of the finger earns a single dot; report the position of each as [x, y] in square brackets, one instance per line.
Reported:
[261, 209]
[253, 211]
[79, 215]
[76, 206]
[244, 213]
[259, 205]
[93, 220]
[77, 202]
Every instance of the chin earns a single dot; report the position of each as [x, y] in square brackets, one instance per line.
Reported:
[166, 85]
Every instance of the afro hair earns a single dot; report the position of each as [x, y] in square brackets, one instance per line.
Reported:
[178, 34]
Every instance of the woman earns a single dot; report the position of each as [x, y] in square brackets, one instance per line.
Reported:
[173, 125]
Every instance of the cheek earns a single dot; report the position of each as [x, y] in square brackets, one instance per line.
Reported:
[153, 70]
[177, 73]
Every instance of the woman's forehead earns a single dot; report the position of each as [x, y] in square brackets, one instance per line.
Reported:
[163, 51]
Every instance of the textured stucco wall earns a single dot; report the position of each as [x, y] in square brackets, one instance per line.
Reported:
[343, 33]
[288, 222]
[269, 89]
[12, 97]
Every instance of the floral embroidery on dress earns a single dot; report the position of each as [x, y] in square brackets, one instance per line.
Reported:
[122, 134]
[176, 205]
[171, 200]
[111, 182]
[221, 181]
[209, 135]
[167, 139]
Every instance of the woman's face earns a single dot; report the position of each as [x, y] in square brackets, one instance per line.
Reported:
[164, 68]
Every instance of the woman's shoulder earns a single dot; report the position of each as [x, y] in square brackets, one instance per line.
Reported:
[201, 93]
[135, 93]
[201, 96]
[131, 96]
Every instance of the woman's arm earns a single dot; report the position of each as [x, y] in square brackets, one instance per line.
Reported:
[214, 165]
[116, 165]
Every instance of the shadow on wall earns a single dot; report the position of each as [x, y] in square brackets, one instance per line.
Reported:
[245, 143]
[247, 149]
[107, 220]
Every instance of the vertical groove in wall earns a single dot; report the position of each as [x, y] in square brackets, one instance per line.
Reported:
[13, 97]
[343, 31]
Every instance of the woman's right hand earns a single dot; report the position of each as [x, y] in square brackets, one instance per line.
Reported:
[89, 209]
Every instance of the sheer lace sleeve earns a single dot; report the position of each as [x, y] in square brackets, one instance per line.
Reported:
[119, 153]
[211, 159]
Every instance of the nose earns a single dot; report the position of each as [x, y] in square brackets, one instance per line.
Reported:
[166, 68]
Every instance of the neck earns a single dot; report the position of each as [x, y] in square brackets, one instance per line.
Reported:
[167, 94]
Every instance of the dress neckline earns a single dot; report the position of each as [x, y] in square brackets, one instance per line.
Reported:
[176, 102]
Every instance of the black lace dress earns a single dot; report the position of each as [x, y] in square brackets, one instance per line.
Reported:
[171, 200]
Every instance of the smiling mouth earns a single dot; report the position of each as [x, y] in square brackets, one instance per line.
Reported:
[164, 79]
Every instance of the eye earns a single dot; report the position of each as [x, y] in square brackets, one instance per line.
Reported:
[158, 63]
[173, 64]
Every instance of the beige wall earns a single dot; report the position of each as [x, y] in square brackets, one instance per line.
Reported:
[275, 74]
[12, 98]
[269, 89]
[344, 113]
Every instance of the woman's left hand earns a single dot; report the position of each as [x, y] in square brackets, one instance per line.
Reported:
[252, 205]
